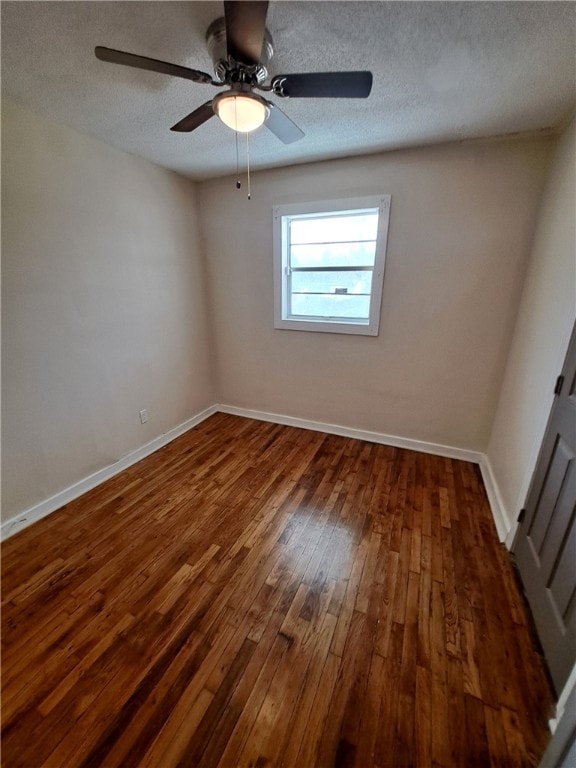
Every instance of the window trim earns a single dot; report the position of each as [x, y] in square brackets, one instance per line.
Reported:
[281, 215]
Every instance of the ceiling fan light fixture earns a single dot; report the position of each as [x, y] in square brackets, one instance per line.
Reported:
[243, 112]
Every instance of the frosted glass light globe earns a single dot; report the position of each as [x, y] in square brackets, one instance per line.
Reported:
[242, 112]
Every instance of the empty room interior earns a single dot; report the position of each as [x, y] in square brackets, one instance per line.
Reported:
[288, 384]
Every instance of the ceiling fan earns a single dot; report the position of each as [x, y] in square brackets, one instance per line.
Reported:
[241, 48]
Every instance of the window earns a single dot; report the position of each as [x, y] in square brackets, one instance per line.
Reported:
[329, 265]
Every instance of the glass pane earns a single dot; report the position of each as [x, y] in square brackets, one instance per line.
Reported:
[340, 283]
[357, 307]
[327, 229]
[333, 255]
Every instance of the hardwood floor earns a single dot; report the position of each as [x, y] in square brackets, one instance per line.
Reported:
[258, 595]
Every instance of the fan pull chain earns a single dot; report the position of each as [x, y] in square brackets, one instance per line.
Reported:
[248, 162]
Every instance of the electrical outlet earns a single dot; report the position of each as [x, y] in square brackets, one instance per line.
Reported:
[143, 416]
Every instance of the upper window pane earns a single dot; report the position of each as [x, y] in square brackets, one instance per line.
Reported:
[335, 228]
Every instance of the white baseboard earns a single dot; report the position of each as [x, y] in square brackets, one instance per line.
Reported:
[504, 524]
[46, 507]
[358, 434]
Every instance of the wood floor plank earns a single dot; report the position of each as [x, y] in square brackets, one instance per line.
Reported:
[224, 735]
[423, 718]
[496, 738]
[386, 737]
[442, 732]
[297, 723]
[259, 595]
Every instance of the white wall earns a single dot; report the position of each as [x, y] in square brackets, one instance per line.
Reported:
[103, 310]
[543, 327]
[461, 226]
[541, 336]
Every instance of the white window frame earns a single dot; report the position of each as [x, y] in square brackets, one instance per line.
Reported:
[282, 215]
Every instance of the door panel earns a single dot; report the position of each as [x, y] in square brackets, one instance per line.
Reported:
[561, 521]
[560, 584]
[558, 466]
[545, 547]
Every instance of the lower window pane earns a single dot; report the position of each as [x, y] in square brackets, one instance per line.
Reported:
[332, 282]
[331, 306]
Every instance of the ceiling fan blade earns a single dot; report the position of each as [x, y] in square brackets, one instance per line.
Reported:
[338, 85]
[152, 65]
[245, 26]
[194, 119]
[281, 125]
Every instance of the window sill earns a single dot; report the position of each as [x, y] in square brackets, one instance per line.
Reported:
[317, 326]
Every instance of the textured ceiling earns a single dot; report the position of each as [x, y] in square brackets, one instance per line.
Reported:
[442, 71]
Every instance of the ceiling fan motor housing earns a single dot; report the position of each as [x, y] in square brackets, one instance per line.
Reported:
[228, 70]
